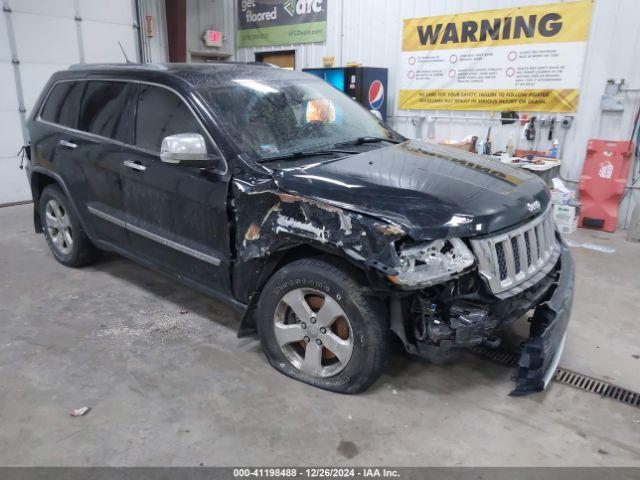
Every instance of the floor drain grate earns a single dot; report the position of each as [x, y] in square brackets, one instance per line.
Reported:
[505, 358]
[568, 377]
[593, 385]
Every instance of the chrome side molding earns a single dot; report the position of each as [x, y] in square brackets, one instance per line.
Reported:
[155, 237]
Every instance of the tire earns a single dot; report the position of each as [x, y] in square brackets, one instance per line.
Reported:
[62, 229]
[352, 328]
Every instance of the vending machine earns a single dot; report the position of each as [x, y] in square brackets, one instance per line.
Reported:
[366, 85]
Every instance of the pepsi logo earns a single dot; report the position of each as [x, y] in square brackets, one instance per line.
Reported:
[376, 94]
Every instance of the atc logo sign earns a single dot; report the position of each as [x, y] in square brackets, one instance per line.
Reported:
[301, 7]
[289, 7]
[376, 94]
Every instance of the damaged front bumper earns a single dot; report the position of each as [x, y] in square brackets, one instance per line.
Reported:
[540, 354]
[436, 328]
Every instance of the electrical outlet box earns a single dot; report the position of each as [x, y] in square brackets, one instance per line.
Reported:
[613, 98]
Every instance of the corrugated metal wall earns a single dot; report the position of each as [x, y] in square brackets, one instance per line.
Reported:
[369, 32]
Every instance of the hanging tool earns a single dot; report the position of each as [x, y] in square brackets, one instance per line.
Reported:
[529, 132]
[487, 143]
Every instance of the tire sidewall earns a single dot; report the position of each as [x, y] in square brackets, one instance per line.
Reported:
[355, 374]
[56, 194]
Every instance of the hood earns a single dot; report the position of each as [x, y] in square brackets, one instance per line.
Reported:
[429, 190]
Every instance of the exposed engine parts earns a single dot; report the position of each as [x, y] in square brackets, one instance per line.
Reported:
[461, 324]
[439, 322]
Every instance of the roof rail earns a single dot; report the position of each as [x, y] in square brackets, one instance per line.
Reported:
[262, 64]
[116, 66]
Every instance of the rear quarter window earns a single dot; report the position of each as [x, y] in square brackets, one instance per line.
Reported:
[62, 104]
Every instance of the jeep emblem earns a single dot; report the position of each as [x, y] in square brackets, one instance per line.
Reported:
[533, 206]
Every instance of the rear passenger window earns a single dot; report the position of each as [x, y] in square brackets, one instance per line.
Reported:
[104, 110]
[162, 113]
[62, 104]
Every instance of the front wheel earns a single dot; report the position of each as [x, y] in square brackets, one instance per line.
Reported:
[316, 326]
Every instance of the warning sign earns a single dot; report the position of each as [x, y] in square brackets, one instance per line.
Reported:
[528, 58]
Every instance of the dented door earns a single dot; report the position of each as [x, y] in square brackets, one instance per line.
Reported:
[176, 214]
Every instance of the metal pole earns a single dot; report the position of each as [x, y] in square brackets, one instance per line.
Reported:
[78, 20]
[16, 71]
[140, 36]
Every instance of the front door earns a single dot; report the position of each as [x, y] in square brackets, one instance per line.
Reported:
[176, 214]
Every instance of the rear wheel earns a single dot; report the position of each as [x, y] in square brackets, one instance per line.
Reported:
[315, 325]
[67, 241]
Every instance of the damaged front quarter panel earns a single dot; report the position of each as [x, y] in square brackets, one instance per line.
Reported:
[270, 223]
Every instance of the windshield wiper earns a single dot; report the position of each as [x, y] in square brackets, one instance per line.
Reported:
[306, 153]
[362, 140]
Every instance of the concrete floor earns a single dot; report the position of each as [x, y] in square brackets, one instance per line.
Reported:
[170, 384]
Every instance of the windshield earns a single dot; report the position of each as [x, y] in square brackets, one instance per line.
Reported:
[274, 119]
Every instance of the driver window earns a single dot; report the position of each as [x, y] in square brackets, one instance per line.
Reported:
[161, 113]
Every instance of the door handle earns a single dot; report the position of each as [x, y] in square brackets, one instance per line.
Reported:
[134, 165]
[65, 143]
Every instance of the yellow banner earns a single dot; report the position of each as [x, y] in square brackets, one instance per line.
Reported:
[559, 22]
[530, 100]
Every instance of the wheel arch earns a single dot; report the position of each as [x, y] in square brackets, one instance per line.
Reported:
[40, 179]
[282, 258]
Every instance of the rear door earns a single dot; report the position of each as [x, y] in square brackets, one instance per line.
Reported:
[176, 215]
[94, 120]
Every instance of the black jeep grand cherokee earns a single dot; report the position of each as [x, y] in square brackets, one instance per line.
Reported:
[324, 228]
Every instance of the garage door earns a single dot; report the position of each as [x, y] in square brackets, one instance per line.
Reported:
[49, 36]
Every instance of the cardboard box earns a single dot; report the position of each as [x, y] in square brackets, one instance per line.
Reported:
[566, 218]
[559, 197]
[466, 146]
[560, 194]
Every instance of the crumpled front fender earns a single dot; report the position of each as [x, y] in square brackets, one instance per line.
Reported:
[271, 221]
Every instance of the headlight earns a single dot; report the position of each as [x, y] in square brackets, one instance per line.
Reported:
[432, 263]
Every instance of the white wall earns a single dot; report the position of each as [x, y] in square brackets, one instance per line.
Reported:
[48, 39]
[369, 32]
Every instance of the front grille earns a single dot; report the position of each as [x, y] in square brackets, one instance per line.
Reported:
[502, 261]
[516, 252]
[527, 244]
[511, 261]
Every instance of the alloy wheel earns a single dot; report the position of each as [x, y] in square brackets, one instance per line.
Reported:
[59, 226]
[313, 332]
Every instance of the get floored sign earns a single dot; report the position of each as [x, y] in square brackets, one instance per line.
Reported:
[281, 22]
[528, 58]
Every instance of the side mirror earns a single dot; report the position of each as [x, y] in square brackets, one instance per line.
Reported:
[184, 147]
